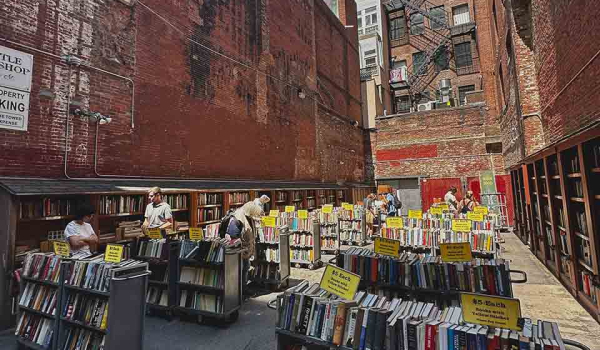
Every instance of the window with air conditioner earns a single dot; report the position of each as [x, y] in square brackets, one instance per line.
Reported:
[460, 14]
[438, 18]
[463, 55]
[402, 104]
[370, 58]
[462, 93]
[416, 24]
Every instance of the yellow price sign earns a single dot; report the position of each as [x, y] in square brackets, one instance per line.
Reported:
[302, 214]
[481, 209]
[394, 222]
[154, 233]
[196, 234]
[415, 214]
[274, 213]
[113, 253]
[62, 248]
[435, 211]
[327, 209]
[445, 207]
[290, 208]
[475, 216]
[269, 221]
[461, 225]
[339, 282]
[456, 252]
[347, 206]
[498, 312]
[386, 246]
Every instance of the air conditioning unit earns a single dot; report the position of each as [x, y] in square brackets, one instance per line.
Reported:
[426, 106]
[445, 84]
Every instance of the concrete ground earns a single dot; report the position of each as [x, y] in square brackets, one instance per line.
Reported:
[542, 297]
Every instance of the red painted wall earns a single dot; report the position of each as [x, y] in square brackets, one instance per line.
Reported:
[437, 188]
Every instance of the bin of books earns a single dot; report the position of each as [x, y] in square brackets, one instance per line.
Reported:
[271, 264]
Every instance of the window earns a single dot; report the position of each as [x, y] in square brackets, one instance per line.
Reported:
[399, 64]
[418, 61]
[398, 27]
[442, 60]
[371, 61]
[463, 55]
[402, 104]
[369, 52]
[371, 16]
[438, 18]
[416, 24]
[359, 22]
[494, 147]
[462, 93]
[460, 14]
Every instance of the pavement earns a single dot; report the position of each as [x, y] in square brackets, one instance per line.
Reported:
[542, 297]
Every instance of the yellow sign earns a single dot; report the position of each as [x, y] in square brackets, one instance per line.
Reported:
[456, 252]
[394, 222]
[62, 248]
[269, 221]
[481, 209]
[340, 282]
[475, 216]
[415, 214]
[347, 206]
[444, 206]
[436, 211]
[327, 209]
[302, 214]
[196, 234]
[114, 253]
[461, 225]
[154, 233]
[274, 213]
[290, 208]
[387, 247]
[491, 311]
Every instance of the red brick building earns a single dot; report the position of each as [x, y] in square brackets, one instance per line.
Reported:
[195, 89]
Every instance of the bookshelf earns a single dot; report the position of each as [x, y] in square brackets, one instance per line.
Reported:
[567, 179]
[312, 199]
[238, 198]
[209, 208]
[208, 284]
[298, 199]
[281, 199]
[271, 264]
[305, 243]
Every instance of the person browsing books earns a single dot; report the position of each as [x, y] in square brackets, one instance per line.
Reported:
[264, 199]
[450, 199]
[158, 213]
[468, 203]
[79, 233]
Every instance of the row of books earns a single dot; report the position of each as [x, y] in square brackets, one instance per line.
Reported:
[281, 196]
[416, 237]
[87, 309]
[351, 236]
[375, 322]
[46, 207]
[583, 251]
[199, 301]
[301, 239]
[588, 287]
[157, 296]
[329, 243]
[212, 230]
[311, 203]
[350, 226]
[239, 197]
[94, 273]
[303, 255]
[268, 254]
[417, 271]
[297, 224]
[210, 198]
[296, 195]
[210, 251]
[266, 271]
[153, 248]
[35, 328]
[79, 338]
[328, 230]
[129, 229]
[110, 205]
[577, 187]
[202, 276]
[176, 201]
[267, 234]
[355, 214]
[40, 298]
[42, 266]
[209, 214]
[581, 221]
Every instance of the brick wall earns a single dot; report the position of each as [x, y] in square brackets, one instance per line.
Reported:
[196, 112]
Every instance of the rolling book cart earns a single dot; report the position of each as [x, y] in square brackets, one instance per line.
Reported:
[330, 238]
[272, 258]
[306, 254]
[221, 298]
[353, 231]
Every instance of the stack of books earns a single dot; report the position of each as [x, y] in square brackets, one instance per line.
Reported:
[417, 271]
[202, 276]
[129, 229]
[212, 230]
[86, 309]
[94, 273]
[45, 207]
[301, 240]
[199, 301]
[181, 226]
[266, 253]
[153, 248]
[209, 251]
[42, 266]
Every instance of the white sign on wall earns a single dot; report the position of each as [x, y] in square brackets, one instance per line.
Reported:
[16, 72]
[14, 109]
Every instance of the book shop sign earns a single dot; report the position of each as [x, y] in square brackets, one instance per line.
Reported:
[461, 225]
[290, 208]
[154, 233]
[327, 209]
[16, 69]
[114, 253]
[196, 233]
[302, 214]
[62, 248]
[491, 311]
[456, 252]
[387, 247]
[269, 221]
[394, 222]
[436, 211]
[475, 216]
[415, 214]
[274, 213]
[348, 206]
[481, 209]
[340, 282]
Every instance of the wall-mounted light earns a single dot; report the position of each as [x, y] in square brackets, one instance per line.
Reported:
[93, 116]
[301, 94]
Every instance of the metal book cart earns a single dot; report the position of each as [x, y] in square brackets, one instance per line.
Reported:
[326, 234]
[315, 261]
[230, 294]
[362, 232]
[280, 276]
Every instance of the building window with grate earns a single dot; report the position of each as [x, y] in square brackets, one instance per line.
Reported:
[442, 60]
[370, 57]
[462, 52]
[402, 104]
[494, 147]
[462, 93]
[418, 60]
[438, 18]
[397, 28]
[460, 14]
[416, 24]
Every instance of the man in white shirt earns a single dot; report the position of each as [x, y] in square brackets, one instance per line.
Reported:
[79, 233]
[450, 199]
[158, 213]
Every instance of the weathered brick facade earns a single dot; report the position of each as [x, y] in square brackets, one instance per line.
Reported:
[214, 89]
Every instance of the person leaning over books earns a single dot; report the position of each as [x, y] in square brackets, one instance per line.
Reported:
[242, 227]
[79, 233]
[158, 213]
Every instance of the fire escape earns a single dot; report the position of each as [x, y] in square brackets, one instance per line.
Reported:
[434, 43]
